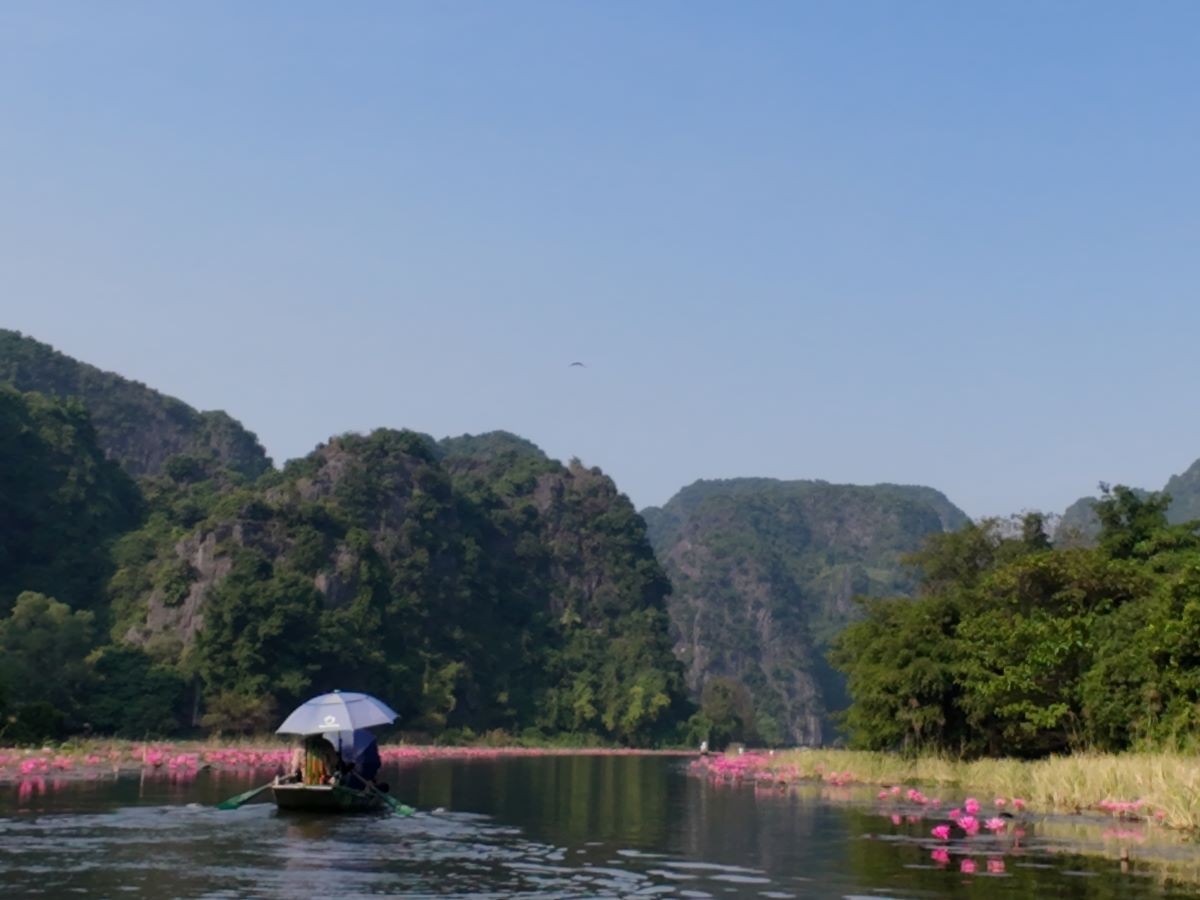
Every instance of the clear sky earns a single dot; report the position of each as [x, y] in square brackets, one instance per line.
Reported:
[945, 243]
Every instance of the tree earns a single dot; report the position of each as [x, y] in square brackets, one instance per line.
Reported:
[1128, 520]
[260, 633]
[130, 695]
[727, 706]
[43, 646]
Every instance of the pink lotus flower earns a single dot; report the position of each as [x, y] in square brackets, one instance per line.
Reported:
[1018, 804]
[883, 795]
[895, 790]
[941, 856]
[967, 866]
[971, 806]
[1000, 801]
[969, 824]
[896, 818]
[995, 865]
[941, 832]
[995, 825]
[954, 813]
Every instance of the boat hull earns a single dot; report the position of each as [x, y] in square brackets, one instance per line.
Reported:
[325, 798]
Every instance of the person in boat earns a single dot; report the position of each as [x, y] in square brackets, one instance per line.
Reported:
[315, 761]
[360, 761]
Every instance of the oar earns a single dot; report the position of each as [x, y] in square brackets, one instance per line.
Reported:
[397, 807]
[235, 802]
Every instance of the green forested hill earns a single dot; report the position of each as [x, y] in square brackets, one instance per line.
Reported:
[480, 588]
[475, 583]
[764, 576]
[135, 425]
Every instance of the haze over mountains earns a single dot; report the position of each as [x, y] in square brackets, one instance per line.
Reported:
[477, 581]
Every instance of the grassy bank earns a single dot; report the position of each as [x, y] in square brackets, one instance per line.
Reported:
[1161, 787]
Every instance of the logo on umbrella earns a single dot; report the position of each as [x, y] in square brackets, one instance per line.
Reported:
[330, 722]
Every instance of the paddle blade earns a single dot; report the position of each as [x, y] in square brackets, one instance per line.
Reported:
[396, 806]
[235, 802]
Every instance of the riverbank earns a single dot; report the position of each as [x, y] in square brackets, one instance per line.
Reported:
[93, 757]
[1161, 788]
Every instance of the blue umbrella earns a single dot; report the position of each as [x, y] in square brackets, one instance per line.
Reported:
[350, 744]
[337, 712]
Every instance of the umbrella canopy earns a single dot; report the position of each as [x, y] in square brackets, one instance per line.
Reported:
[337, 712]
[350, 744]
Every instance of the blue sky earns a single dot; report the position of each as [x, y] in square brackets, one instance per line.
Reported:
[944, 243]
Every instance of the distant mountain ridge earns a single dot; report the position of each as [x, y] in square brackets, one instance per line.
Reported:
[1079, 523]
[765, 572]
[135, 425]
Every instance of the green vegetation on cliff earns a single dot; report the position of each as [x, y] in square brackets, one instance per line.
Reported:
[62, 504]
[478, 583]
[764, 576]
[135, 425]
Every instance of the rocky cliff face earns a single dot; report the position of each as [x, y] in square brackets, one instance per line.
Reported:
[765, 573]
[135, 425]
[486, 584]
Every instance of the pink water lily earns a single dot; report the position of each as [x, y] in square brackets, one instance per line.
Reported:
[969, 824]
[971, 806]
[941, 832]
[995, 825]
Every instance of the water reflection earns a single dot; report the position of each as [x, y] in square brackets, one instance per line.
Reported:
[539, 827]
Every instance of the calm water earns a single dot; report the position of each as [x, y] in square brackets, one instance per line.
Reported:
[533, 827]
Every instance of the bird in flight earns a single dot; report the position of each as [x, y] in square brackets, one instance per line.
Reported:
[581, 365]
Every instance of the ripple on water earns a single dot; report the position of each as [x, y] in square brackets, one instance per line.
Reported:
[193, 850]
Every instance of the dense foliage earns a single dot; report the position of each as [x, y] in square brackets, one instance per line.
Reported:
[764, 573]
[480, 584]
[1015, 647]
[62, 502]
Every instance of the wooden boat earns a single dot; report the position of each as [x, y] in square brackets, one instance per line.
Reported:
[326, 798]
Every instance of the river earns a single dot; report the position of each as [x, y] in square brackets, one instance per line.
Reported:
[567, 826]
